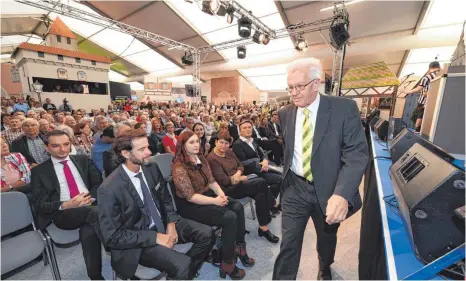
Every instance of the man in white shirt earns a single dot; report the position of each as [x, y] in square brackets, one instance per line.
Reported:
[65, 188]
[138, 219]
[325, 156]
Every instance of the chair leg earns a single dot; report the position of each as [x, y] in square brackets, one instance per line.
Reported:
[253, 212]
[114, 277]
[53, 257]
[45, 256]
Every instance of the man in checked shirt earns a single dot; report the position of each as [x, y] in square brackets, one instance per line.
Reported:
[31, 145]
[423, 87]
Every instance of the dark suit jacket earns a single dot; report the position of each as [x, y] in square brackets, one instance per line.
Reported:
[21, 145]
[233, 130]
[272, 129]
[110, 161]
[339, 151]
[244, 152]
[46, 188]
[124, 220]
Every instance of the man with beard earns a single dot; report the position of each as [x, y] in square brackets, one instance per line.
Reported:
[138, 220]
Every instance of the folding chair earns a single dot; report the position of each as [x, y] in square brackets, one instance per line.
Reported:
[27, 246]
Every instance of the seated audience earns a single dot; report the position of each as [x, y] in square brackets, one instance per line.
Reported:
[199, 130]
[138, 220]
[74, 150]
[16, 173]
[30, 145]
[101, 123]
[64, 191]
[273, 144]
[275, 126]
[228, 172]
[70, 121]
[83, 140]
[223, 127]
[44, 127]
[200, 198]
[170, 139]
[157, 130]
[110, 159]
[14, 130]
[103, 144]
[253, 158]
[233, 128]
[48, 105]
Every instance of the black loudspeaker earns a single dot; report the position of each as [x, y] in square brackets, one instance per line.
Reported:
[339, 35]
[381, 129]
[429, 190]
[394, 128]
[406, 139]
[373, 122]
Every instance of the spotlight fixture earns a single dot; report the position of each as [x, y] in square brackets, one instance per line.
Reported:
[230, 12]
[187, 59]
[266, 40]
[258, 37]
[211, 7]
[241, 52]
[339, 34]
[301, 44]
[244, 27]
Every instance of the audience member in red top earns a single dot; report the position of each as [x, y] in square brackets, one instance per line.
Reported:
[169, 140]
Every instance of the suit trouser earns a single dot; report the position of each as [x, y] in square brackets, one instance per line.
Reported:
[274, 180]
[87, 220]
[299, 202]
[178, 265]
[230, 218]
[258, 190]
[276, 148]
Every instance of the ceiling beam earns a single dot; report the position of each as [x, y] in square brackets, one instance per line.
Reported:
[305, 3]
[88, 4]
[285, 19]
[417, 27]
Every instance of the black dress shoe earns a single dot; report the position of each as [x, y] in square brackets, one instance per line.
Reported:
[268, 235]
[324, 273]
[275, 211]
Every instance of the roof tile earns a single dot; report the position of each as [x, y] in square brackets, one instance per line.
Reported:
[59, 28]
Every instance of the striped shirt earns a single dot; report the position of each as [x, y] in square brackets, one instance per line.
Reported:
[425, 83]
[18, 162]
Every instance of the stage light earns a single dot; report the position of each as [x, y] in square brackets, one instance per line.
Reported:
[301, 44]
[241, 52]
[187, 59]
[339, 34]
[230, 14]
[211, 7]
[266, 40]
[258, 37]
[244, 27]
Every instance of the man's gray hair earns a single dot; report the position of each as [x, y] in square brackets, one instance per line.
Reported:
[312, 66]
[119, 125]
[29, 120]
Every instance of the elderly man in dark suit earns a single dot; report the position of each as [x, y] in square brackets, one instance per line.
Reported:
[30, 145]
[138, 220]
[64, 191]
[326, 153]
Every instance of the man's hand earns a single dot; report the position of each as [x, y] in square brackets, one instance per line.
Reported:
[280, 141]
[165, 240]
[171, 230]
[265, 165]
[337, 208]
[33, 165]
[221, 201]
[80, 200]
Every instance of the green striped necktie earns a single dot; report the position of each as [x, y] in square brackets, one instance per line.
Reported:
[308, 135]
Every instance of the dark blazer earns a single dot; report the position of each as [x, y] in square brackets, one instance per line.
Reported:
[124, 220]
[21, 145]
[44, 106]
[265, 132]
[233, 130]
[46, 188]
[244, 152]
[272, 129]
[110, 161]
[339, 151]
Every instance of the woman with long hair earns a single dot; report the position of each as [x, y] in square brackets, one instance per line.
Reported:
[157, 129]
[170, 139]
[200, 198]
[83, 140]
[199, 130]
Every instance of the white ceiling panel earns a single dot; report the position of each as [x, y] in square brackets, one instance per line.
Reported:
[266, 70]
[185, 79]
[119, 8]
[150, 61]
[115, 76]
[445, 12]
[18, 39]
[136, 86]
[270, 83]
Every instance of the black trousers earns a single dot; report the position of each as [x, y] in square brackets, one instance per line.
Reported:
[299, 202]
[274, 180]
[178, 265]
[230, 218]
[87, 220]
[258, 190]
[275, 148]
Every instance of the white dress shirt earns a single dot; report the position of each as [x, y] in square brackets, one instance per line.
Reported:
[249, 142]
[297, 163]
[275, 128]
[64, 189]
[257, 132]
[137, 185]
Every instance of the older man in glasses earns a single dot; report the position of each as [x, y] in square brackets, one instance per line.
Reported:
[325, 155]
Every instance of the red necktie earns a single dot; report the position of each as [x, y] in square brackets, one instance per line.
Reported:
[72, 185]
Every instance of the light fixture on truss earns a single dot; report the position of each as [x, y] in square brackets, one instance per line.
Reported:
[241, 52]
[301, 44]
[211, 7]
[244, 27]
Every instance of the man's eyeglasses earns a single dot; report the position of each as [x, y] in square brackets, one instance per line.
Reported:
[299, 87]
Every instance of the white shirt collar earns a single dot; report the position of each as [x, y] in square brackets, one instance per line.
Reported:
[246, 140]
[314, 106]
[56, 161]
[130, 173]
